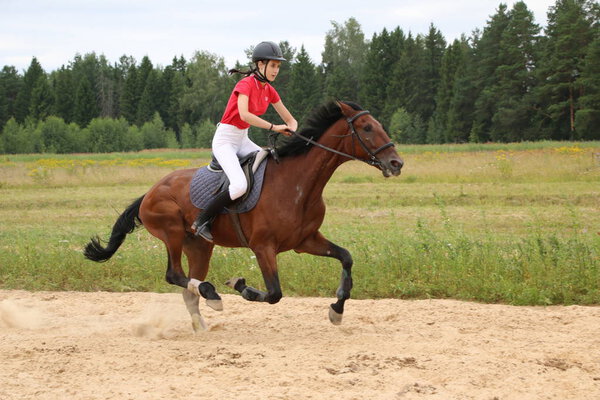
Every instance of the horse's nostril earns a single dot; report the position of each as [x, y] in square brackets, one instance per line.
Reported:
[397, 164]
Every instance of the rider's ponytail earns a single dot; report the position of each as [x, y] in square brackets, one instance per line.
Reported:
[246, 73]
[259, 75]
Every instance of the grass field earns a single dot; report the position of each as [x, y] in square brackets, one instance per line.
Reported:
[517, 223]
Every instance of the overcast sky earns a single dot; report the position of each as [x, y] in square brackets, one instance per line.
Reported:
[55, 30]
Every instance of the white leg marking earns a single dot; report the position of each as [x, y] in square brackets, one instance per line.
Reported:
[191, 302]
[194, 285]
[198, 322]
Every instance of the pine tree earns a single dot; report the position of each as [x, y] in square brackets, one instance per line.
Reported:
[304, 91]
[86, 70]
[569, 32]
[120, 71]
[435, 46]
[461, 111]
[42, 99]
[179, 64]
[403, 87]
[23, 100]
[107, 85]
[487, 57]
[129, 98]
[86, 107]
[383, 54]
[64, 93]
[10, 84]
[148, 104]
[164, 104]
[285, 69]
[454, 58]
[514, 78]
[144, 70]
[172, 84]
[587, 119]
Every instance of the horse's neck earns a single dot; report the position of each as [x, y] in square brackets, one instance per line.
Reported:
[314, 169]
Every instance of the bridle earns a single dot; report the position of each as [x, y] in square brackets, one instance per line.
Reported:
[373, 160]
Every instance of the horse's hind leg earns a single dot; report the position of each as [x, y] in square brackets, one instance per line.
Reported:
[174, 236]
[318, 245]
[198, 252]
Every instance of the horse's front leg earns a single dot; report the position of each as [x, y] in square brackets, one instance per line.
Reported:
[199, 252]
[318, 245]
[267, 260]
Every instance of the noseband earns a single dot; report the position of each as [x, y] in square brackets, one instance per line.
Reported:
[373, 160]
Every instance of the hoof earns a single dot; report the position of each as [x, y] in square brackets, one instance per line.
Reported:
[335, 317]
[216, 305]
[208, 291]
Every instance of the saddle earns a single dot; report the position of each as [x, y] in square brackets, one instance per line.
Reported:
[210, 180]
[249, 164]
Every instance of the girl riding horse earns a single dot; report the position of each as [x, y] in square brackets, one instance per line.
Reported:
[250, 99]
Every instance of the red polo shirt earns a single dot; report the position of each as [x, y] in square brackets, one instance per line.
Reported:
[259, 98]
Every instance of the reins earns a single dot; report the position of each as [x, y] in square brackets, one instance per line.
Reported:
[373, 154]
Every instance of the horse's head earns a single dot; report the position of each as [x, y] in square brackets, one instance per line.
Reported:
[371, 142]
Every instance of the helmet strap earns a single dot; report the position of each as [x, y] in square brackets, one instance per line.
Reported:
[262, 76]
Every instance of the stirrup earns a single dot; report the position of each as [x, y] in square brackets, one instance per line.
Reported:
[203, 230]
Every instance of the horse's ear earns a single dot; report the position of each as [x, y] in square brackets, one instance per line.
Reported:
[345, 108]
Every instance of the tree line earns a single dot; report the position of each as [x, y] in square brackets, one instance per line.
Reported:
[510, 81]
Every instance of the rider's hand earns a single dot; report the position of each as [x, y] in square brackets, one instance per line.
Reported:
[283, 129]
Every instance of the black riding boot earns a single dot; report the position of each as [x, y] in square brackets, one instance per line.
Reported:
[205, 218]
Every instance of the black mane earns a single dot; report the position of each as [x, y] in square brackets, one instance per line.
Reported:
[314, 126]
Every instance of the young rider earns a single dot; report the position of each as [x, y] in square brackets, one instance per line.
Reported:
[250, 99]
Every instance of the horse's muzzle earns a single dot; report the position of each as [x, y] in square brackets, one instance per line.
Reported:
[391, 166]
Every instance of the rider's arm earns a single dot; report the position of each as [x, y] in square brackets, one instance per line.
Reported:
[285, 115]
[257, 121]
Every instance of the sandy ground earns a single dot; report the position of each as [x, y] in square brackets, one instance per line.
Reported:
[65, 345]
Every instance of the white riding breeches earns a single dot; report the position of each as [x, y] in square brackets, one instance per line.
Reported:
[229, 143]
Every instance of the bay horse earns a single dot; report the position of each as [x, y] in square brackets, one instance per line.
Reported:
[288, 214]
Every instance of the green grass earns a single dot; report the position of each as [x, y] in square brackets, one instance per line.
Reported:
[512, 225]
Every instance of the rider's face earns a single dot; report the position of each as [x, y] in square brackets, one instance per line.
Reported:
[272, 68]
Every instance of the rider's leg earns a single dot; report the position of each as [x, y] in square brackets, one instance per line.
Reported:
[204, 220]
[247, 146]
[226, 144]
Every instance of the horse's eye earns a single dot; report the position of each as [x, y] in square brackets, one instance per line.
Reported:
[368, 128]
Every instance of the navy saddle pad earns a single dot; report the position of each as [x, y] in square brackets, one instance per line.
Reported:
[205, 184]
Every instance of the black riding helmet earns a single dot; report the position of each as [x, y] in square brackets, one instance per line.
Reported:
[264, 51]
[267, 51]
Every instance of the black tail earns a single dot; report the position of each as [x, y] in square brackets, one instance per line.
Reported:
[126, 223]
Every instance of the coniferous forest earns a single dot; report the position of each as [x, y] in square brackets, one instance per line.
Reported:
[511, 81]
